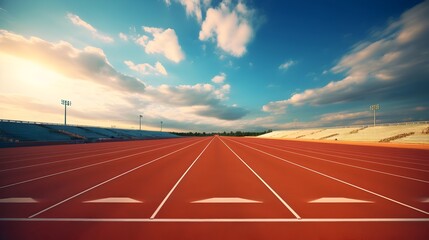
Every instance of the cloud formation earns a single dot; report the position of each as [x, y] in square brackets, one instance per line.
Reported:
[230, 26]
[286, 65]
[88, 64]
[76, 20]
[201, 99]
[219, 78]
[193, 7]
[395, 65]
[123, 36]
[147, 69]
[162, 41]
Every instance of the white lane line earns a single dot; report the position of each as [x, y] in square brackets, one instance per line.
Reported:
[178, 181]
[373, 157]
[367, 161]
[344, 164]
[18, 200]
[75, 158]
[216, 220]
[109, 180]
[338, 200]
[265, 183]
[42, 155]
[226, 200]
[86, 166]
[426, 200]
[114, 200]
[336, 179]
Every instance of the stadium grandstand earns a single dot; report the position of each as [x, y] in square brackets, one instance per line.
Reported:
[16, 133]
[407, 132]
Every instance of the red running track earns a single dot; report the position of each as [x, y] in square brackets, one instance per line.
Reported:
[214, 188]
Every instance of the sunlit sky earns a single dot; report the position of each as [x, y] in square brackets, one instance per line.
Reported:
[207, 65]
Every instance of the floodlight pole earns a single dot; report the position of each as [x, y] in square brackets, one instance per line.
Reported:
[141, 121]
[161, 126]
[65, 103]
[374, 108]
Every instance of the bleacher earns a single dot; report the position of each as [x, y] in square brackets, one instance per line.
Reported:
[400, 133]
[30, 132]
[27, 132]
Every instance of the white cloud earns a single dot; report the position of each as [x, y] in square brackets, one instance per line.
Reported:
[286, 65]
[146, 68]
[193, 8]
[162, 42]
[123, 36]
[231, 27]
[200, 99]
[76, 20]
[340, 116]
[51, 71]
[88, 64]
[219, 78]
[390, 67]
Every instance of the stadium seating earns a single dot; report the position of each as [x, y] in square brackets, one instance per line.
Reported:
[401, 133]
[16, 131]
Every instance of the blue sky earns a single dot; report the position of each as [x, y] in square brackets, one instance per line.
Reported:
[206, 65]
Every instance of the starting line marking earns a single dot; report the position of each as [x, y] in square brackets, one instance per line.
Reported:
[217, 220]
[338, 200]
[114, 200]
[226, 200]
[18, 200]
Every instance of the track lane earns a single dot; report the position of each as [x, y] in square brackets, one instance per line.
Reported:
[220, 174]
[136, 186]
[420, 175]
[146, 183]
[407, 191]
[386, 160]
[30, 152]
[381, 152]
[51, 190]
[310, 185]
[26, 174]
[52, 155]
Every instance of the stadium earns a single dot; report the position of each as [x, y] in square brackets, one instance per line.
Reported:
[229, 119]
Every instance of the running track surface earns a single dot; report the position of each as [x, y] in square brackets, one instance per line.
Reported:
[214, 188]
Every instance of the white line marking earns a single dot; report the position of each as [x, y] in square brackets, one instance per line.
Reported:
[338, 180]
[367, 161]
[217, 220]
[86, 166]
[344, 164]
[75, 158]
[114, 200]
[338, 200]
[18, 200]
[42, 155]
[109, 180]
[266, 184]
[177, 183]
[361, 154]
[426, 200]
[226, 200]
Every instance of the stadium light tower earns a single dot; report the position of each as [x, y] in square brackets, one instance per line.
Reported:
[141, 121]
[161, 126]
[65, 103]
[374, 108]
